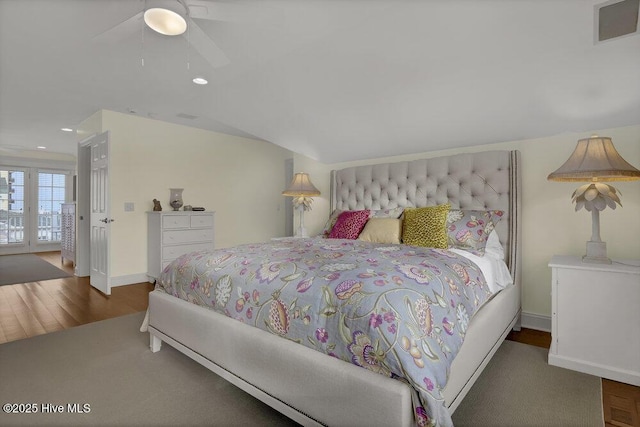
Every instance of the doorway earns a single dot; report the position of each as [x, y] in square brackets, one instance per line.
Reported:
[31, 201]
[93, 212]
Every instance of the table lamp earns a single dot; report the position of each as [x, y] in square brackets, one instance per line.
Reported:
[595, 160]
[301, 189]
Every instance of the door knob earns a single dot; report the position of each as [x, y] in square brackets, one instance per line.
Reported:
[107, 220]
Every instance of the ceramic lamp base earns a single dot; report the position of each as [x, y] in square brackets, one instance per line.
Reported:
[301, 231]
[596, 253]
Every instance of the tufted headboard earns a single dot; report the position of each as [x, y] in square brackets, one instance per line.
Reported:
[485, 180]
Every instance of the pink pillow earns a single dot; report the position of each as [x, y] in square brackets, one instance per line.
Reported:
[349, 225]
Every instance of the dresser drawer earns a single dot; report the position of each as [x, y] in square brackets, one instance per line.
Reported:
[175, 221]
[173, 252]
[201, 221]
[186, 236]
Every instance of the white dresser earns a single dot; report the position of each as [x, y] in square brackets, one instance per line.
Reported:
[174, 233]
[595, 323]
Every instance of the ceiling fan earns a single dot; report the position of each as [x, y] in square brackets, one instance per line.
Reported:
[12, 149]
[176, 17]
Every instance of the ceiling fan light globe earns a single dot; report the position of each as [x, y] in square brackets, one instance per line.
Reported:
[165, 21]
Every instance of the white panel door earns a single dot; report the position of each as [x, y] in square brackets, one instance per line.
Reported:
[100, 214]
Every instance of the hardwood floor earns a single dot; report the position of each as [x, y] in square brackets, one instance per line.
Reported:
[531, 337]
[621, 404]
[35, 308]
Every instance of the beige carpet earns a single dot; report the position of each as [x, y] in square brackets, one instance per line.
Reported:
[26, 268]
[519, 388]
[108, 366]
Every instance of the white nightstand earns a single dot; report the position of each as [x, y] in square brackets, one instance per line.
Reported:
[596, 317]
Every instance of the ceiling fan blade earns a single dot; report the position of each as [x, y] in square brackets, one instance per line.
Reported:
[205, 46]
[122, 30]
[12, 148]
[232, 12]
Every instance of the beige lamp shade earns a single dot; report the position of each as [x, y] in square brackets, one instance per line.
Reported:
[301, 186]
[595, 159]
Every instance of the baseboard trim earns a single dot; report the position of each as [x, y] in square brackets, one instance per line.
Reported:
[536, 321]
[597, 369]
[129, 279]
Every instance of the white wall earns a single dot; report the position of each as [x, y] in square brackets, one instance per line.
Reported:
[240, 179]
[550, 224]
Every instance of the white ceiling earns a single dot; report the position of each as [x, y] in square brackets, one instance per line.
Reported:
[335, 80]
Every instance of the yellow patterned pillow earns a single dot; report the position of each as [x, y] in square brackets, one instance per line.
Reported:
[426, 226]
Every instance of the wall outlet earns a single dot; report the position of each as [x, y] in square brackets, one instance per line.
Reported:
[128, 207]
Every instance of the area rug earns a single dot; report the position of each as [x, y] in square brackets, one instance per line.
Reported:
[104, 374]
[27, 268]
[519, 388]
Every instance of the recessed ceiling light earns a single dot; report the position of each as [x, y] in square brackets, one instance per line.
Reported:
[66, 130]
[41, 147]
[200, 81]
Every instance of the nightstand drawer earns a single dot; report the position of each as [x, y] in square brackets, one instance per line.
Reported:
[175, 221]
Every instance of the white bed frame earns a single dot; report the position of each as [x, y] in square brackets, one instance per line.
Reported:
[283, 374]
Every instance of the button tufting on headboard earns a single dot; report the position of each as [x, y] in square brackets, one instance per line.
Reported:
[466, 181]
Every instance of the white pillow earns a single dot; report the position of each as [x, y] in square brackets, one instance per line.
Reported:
[495, 270]
[494, 248]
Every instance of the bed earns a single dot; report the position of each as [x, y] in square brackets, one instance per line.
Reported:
[313, 388]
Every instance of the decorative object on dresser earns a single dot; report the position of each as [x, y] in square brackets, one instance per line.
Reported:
[301, 189]
[595, 317]
[172, 234]
[68, 233]
[157, 207]
[175, 198]
[595, 160]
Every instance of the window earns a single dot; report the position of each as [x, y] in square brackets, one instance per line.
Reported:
[30, 208]
[51, 195]
[12, 206]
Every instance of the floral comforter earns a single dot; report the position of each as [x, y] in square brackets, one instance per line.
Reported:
[397, 310]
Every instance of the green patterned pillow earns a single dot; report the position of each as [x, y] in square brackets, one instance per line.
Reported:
[426, 226]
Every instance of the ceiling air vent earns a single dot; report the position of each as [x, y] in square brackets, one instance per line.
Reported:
[616, 18]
